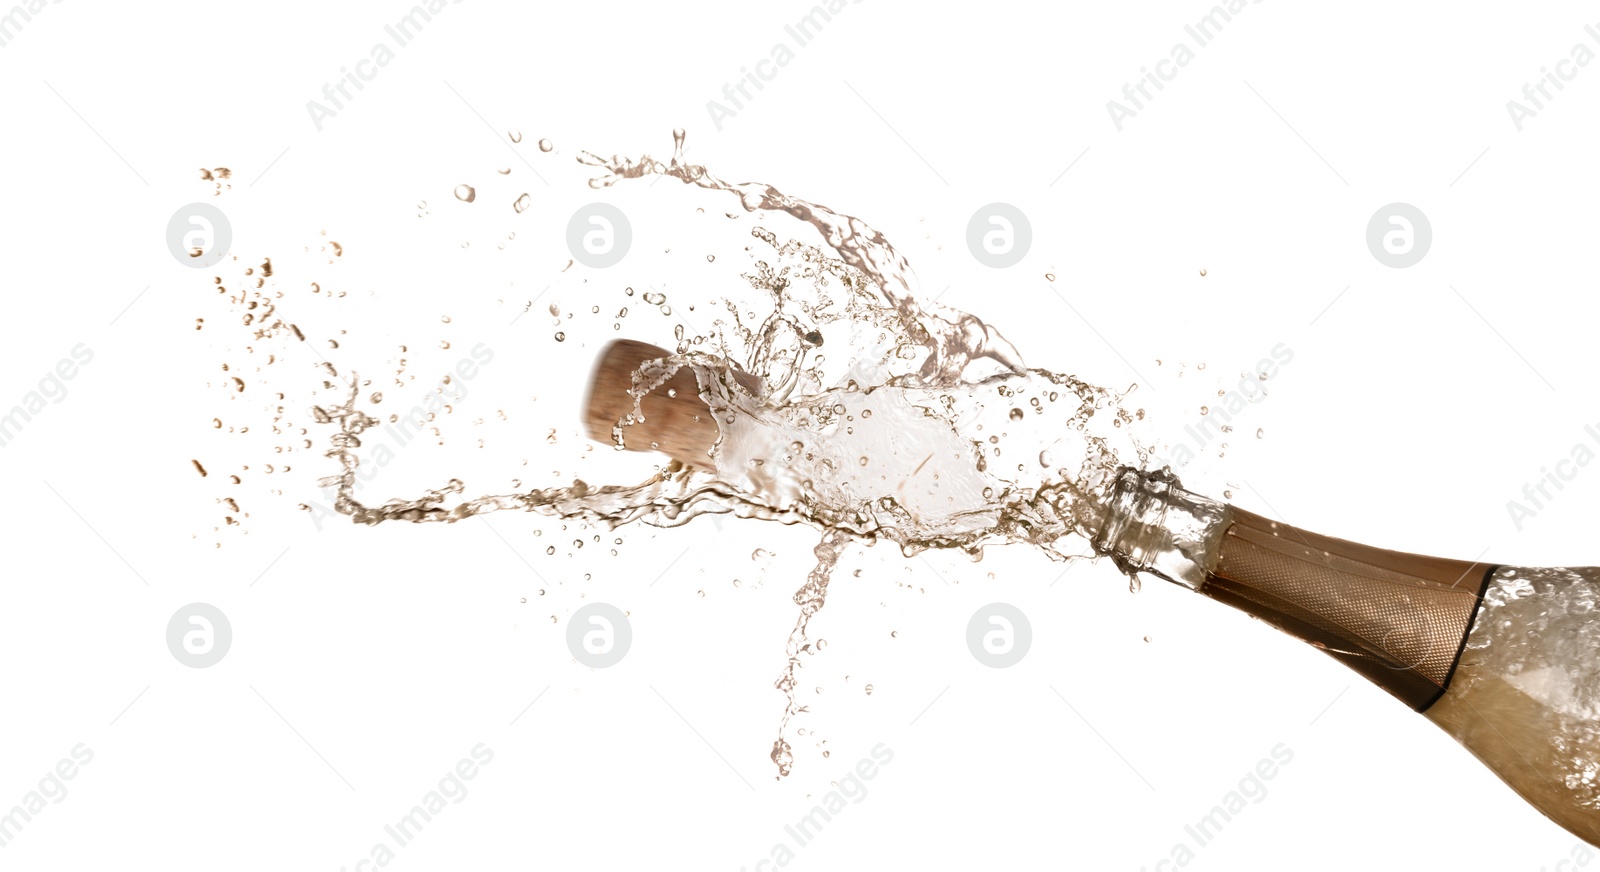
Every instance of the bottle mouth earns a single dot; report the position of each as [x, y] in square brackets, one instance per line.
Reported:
[1153, 525]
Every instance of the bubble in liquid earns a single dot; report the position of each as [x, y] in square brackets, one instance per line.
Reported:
[1016, 414]
[516, 135]
[1260, 432]
[465, 193]
[546, 145]
[1202, 275]
[522, 203]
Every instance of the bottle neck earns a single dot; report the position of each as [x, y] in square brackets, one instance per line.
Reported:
[1398, 619]
[1153, 525]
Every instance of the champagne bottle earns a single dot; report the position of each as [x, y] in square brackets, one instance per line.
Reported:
[1506, 660]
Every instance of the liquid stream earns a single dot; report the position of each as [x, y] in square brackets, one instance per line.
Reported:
[935, 434]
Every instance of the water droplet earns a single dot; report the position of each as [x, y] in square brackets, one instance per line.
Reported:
[546, 145]
[1016, 414]
[1260, 432]
[522, 203]
[1202, 274]
[869, 690]
[561, 337]
[465, 193]
[516, 135]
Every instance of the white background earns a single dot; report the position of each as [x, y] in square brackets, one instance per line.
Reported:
[367, 661]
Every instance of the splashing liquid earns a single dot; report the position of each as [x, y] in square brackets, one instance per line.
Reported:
[925, 429]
